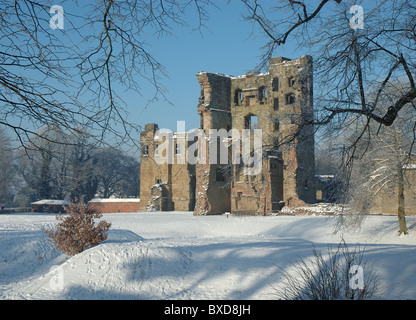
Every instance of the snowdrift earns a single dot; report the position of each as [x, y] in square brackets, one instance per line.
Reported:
[175, 255]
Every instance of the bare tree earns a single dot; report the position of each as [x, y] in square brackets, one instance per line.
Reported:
[118, 173]
[6, 167]
[71, 76]
[383, 156]
[71, 168]
[83, 179]
[348, 60]
[375, 162]
[46, 169]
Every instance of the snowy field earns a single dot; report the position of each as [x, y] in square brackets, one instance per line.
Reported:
[175, 255]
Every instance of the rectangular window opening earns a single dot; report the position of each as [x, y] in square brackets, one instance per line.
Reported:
[276, 104]
[275, 84]
[145, 150]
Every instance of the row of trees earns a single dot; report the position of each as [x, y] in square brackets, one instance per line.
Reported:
[377, 162]
[68, 168]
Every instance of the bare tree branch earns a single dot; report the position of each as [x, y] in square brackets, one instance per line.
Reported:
[348, 66]
[72, 77]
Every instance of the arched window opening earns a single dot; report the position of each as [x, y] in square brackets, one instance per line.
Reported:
[290, 98]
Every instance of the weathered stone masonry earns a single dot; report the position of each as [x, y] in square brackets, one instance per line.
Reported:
[164, 187]
[280, 102]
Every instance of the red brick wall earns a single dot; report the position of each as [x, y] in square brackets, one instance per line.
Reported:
[116, 207]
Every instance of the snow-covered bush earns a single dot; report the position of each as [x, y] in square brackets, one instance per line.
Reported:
[78, 231]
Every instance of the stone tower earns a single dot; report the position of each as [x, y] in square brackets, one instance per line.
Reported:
[279, 102]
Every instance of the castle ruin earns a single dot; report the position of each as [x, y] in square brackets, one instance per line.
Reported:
[280, 103]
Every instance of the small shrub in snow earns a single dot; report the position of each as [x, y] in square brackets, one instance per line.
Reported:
[320, 278]
[78, 231]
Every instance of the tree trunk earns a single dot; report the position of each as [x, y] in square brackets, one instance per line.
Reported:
[401, 210]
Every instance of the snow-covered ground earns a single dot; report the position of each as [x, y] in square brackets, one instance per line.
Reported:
[175, 255]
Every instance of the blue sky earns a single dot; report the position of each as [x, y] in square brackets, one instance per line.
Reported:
[228, 47]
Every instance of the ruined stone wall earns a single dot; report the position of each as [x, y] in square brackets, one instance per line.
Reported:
[252, 108]
[386, 200]
[149, 171]
[212, 183]
[166, 186]
[183, 187]
[280, 103]
[296, 137]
